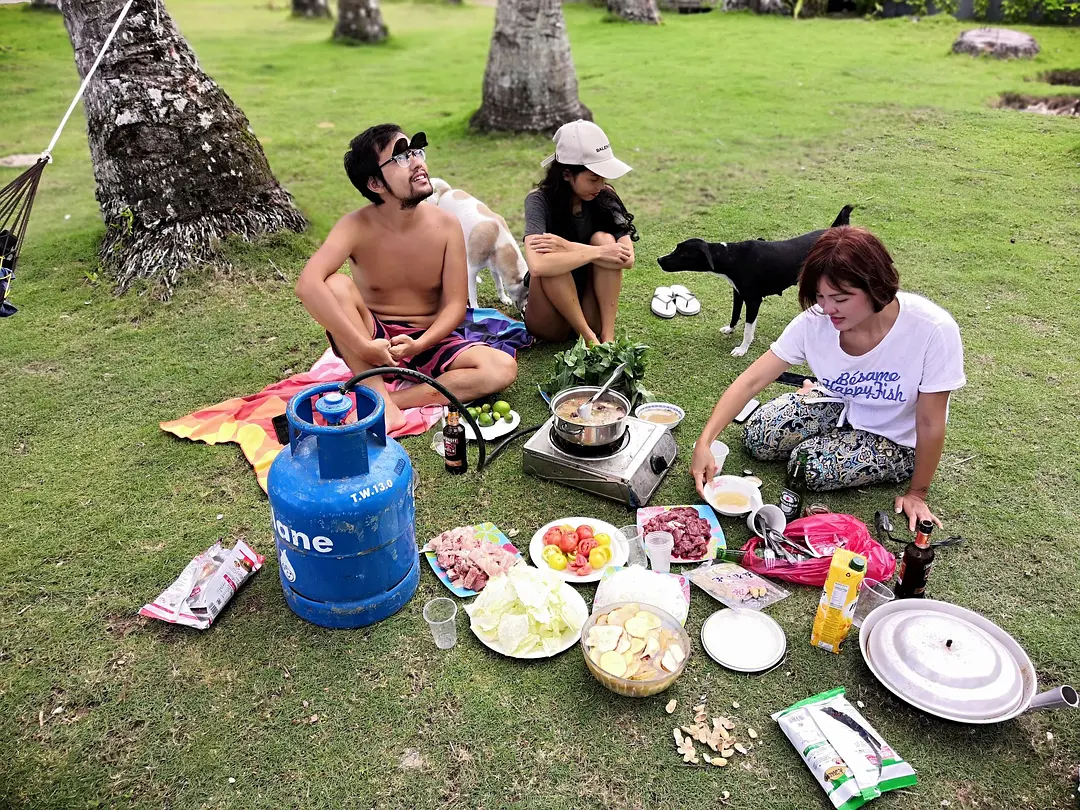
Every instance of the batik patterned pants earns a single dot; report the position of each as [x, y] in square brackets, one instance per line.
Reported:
[838, 457]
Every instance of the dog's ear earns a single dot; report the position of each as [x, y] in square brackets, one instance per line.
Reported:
[706, 251]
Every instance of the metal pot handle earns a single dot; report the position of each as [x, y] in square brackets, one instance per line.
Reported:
[1064, 697]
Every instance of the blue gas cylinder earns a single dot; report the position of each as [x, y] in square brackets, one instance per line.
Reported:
[341, 503]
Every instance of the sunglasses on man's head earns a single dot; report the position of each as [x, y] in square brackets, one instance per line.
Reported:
[405, 151]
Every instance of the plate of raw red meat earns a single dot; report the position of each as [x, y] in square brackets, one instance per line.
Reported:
[696, 530]
[465, 558]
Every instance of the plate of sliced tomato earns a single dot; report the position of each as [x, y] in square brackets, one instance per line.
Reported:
[579, 549]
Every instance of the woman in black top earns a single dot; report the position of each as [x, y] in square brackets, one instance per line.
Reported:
[578, 239]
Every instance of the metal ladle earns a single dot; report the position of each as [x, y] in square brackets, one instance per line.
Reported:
[584, 410]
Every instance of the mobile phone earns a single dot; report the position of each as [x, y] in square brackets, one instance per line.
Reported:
[744, 414]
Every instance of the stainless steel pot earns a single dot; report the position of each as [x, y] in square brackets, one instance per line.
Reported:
[589, 435]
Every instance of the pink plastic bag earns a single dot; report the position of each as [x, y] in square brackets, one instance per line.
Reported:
[824, 533]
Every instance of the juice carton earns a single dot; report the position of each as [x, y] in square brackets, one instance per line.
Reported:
[837, 606]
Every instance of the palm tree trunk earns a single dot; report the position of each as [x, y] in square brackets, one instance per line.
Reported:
[530, 84]
[177, 165]
[311, 8]
[643, 11]
[359, 22]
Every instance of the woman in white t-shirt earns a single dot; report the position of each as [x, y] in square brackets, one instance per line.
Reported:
[885, 362]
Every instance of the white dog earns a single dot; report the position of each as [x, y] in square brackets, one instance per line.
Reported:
[488, 243]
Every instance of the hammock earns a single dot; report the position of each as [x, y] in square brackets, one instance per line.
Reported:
[17, 197]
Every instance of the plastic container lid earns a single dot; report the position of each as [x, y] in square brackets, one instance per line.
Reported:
[857, 564]
[743, 640]
[946, 664]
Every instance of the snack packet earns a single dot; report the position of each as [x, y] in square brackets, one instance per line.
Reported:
[736, 587]
[205, 586]
[850, 760]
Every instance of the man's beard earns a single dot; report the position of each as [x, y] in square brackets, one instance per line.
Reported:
[413, 200]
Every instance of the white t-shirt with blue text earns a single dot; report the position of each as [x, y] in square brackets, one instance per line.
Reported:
[921, 353]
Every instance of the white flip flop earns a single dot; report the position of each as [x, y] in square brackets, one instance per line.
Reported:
[686, 302]
[663, 303]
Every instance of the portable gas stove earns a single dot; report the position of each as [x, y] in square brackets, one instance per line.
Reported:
[629, 471]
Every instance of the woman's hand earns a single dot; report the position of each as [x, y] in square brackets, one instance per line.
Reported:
[913, 504]
[702, 466]
[615, 253]
[547, 243]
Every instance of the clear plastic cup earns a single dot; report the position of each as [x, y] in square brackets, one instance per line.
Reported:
[635, 541]
[872, 594]
[659, 545]
[440, 614]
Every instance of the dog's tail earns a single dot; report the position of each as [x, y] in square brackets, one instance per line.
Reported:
[842, 217]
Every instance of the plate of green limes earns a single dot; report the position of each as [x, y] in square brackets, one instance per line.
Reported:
[495, 420]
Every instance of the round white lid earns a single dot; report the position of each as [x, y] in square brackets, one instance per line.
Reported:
[946, 664]
[743, 640]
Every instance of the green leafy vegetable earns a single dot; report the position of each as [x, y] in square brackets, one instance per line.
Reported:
[584, 365]
[524, 610]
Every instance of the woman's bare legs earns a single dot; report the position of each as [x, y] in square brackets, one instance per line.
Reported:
[607, 284]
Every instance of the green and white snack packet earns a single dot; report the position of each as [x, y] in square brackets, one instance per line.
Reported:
[848, 757]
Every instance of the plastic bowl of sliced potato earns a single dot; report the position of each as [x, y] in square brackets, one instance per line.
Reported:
[635, 650]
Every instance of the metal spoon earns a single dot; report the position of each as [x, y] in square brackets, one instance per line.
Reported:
[584, 410]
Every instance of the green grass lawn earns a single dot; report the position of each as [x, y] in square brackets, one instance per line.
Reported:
[737, 127]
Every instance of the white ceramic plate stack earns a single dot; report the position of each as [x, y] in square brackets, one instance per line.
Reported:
[743, 640]
[947, 660]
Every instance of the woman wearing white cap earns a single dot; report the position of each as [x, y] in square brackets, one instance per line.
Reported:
[578, 239]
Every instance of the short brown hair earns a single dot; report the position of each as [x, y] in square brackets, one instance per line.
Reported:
[849, 258]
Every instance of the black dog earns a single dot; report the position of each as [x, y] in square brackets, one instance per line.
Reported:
[754, 269]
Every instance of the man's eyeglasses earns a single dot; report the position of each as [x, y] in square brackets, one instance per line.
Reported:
[405, 151]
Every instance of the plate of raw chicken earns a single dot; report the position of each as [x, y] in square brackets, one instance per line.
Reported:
[465, 558]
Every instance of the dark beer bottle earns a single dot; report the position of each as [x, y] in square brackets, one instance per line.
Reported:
[794, 492]
[454, 445]
[916, 564]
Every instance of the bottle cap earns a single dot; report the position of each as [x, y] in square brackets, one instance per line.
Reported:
[925, 526]
[857, 564]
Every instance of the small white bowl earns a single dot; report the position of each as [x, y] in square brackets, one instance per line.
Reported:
[732, 483]
[658, 407]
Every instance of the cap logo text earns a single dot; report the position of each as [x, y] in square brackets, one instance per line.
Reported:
[602, 148]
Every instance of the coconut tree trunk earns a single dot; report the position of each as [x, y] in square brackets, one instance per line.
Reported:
[642, 11]
[311, 8]
[359, 22]
[530, 84]
[177, 165]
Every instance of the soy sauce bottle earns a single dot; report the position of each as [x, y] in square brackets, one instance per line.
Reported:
[916, 564]
[794, 492]
[454, 444]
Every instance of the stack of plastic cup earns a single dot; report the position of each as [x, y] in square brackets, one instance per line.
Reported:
[659, 546]
[635, 542]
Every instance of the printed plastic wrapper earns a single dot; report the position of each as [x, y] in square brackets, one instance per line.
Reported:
[824, 533]
[206, 585]
[849, 759]
[669, 592]
[736, 587]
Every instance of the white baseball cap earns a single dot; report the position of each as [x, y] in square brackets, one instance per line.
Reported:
[583, 143]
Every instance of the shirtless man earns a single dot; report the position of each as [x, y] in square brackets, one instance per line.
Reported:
[409, 281]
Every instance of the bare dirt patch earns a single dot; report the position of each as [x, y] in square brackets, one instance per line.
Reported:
[1044, 105]
[1067, 77]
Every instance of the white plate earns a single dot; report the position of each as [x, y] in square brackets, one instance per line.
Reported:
[500, 428]
[568, 639]
[732, 483]
[619, 552]
[743, 640]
